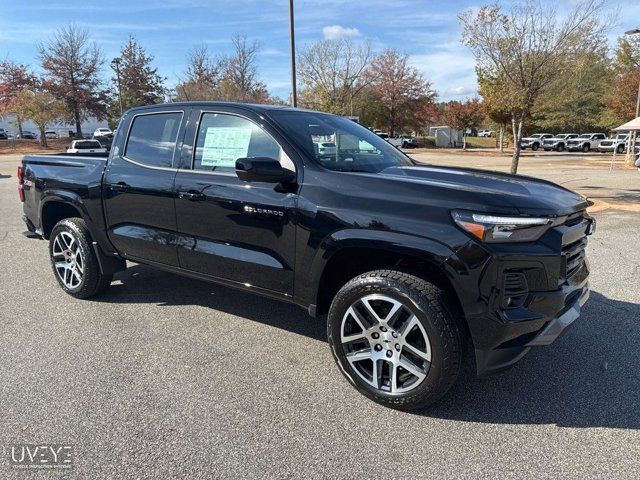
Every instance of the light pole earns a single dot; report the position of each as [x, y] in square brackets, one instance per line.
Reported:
[115, 64]
[294, 95]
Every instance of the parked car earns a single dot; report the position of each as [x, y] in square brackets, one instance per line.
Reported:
[486, 133]
[558, 142]
[534, 142]
[86, 146]
[27, 135]
[617, 143]
[101, 132]
[326, 148]
[51, 134]
[585, 142]
[412, 263]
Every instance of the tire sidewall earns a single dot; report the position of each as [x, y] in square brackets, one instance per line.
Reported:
[85, 252]
[419, 306]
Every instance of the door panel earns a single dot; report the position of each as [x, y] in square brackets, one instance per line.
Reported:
[138, 189]
[140, 211]
[234, 230]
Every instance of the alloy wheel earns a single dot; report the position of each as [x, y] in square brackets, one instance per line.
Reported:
[67, 259]
[385, 343]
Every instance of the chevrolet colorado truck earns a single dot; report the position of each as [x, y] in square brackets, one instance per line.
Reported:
[413, 265]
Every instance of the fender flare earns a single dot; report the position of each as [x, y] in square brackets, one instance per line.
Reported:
[68, 198]
[432, 251]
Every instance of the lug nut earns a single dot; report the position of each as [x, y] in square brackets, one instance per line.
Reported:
[394, 335]
[397, 346]
[389, 353]
[378, 347]
[384, 329]
[375, 335]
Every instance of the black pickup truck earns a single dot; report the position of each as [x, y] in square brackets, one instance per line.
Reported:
[413, 264]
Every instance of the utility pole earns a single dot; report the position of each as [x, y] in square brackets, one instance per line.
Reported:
[115, 64]
[294, 94]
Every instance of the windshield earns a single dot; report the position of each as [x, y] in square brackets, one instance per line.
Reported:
[586, 135]
[338, 143]
[536, 135]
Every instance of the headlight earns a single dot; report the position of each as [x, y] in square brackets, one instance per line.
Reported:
[494, 228]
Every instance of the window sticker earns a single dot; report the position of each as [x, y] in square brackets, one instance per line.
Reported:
[224, 145]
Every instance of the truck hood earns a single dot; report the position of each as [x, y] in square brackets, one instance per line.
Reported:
[491, 191]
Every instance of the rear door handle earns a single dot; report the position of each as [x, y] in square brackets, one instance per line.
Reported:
[192, 196]
[120, 186]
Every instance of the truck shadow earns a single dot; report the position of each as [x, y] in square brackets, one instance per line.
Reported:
[590, 377]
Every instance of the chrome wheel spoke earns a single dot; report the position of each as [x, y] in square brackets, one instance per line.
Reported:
[409, 326]
[67, 259]
[353, 338]
[424, 355]
[412, 368]
[359, 356]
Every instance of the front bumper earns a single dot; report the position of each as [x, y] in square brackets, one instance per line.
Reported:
[495, 360]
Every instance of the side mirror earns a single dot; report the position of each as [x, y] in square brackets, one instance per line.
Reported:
[262, 169]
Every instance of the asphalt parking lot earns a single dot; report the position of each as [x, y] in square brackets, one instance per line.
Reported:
[168, 377]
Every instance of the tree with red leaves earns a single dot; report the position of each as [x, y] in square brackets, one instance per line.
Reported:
[464, 116]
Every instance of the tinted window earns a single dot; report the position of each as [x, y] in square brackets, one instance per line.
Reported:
[152, 138]
[354, 148]
[223, 138]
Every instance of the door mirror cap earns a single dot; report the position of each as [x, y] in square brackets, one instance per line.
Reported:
[262, 169]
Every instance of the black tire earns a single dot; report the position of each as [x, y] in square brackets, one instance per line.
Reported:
[560, 148]
[586, 147]
[620, 149]
[93, 281]
[435, 312]
[535, 147]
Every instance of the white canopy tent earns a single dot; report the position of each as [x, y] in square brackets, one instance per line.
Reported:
[632, 127]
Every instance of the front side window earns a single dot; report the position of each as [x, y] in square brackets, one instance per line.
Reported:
[338, 143]
[223, 138]
[152, 138]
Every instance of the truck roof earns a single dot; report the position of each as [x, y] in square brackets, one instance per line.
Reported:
[246, 106]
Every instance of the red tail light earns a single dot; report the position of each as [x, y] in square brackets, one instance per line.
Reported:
[20, 185]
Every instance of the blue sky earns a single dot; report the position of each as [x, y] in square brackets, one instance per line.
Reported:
[426, 29]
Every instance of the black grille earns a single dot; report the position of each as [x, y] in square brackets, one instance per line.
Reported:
[573, 256]
[515, 289]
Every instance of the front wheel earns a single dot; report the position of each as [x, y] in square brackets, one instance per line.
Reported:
[73, 260]
[534, 147]
[560, 148]
[586, 147]
[395, 338]
[620, 148]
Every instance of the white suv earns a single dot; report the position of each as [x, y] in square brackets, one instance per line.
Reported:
[585, 142]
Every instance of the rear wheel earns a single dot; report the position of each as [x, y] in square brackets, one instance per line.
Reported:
[586, 147]
[395, 338]
[535, 147]
[74, 262]
[560, 147]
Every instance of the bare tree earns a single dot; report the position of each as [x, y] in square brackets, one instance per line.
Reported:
[203, 75]
[72, 66]
[530, 47]
[240, 81]
[332, 74]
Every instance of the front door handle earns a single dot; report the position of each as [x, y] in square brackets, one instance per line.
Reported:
[192, 196]
[120, 186]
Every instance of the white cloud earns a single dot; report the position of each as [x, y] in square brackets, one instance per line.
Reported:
[331, 32]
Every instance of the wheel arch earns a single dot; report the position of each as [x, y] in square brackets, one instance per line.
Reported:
[349, 253]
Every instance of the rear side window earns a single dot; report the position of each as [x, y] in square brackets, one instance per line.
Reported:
[223, 138]
[152, 138]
